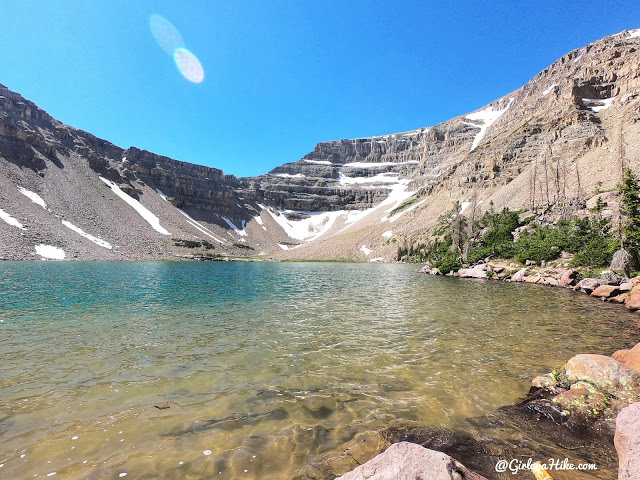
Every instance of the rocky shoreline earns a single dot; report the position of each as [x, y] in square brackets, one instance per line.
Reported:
[589, 405]
[588, 394]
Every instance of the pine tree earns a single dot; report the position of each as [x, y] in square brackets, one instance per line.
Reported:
[630, 191]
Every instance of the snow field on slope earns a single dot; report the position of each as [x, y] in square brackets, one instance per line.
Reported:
[137, 206]
[10, 220]
[79, 231]
[34, 197]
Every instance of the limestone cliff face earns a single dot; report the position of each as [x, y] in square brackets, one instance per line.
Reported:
[571, 130]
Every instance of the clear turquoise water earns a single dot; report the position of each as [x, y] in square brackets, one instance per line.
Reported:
[266, 365]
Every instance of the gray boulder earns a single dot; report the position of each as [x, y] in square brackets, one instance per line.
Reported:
[588, 285]
[621, 262]
[478, 271]
[409, 461]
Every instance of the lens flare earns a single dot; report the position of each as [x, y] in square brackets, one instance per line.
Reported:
[189, 65]
[165, 34]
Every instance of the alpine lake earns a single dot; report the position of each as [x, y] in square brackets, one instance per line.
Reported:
[238, 370]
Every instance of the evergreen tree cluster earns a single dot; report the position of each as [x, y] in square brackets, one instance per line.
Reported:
[503, 235]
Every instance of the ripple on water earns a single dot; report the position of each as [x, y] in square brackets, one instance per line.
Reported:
[265, 367]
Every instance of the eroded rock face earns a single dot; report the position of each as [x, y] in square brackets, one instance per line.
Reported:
[627, 442]
[408, 461]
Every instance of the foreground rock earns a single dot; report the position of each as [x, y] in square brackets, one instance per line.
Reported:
[627, 442]
[409, 461]
[630, 358]
[587, 393]
[633, 300]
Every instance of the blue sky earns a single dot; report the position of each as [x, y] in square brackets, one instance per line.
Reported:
[281, 76]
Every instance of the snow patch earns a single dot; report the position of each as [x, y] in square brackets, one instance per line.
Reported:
[258, 219]
[308, 229]
[242, 233]
[10, 220]
[365, 250]
[488, 116]
[380, 178]
[137, 206]
[379, 164]
[549, 89]
[34, 197]
[204, 230]
[81, 232]
[464, 206]
[398, 194]
[49, 251]
[634, 33]
[162, 195]
[377, 259]
[387, 234]
[322, 162]
[406, 210]
[577, 58]
[596, 104]
[288, 175]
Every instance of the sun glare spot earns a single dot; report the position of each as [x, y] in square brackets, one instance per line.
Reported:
[189, 65]
[166, 35]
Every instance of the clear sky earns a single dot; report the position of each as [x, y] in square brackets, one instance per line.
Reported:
[280, 76]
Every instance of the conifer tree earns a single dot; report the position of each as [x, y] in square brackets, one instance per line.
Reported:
[630, 191]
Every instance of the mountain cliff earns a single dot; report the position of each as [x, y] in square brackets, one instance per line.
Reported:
[558, 140]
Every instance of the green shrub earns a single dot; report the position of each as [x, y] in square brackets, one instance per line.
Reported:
[242, 245]
[449, 263]
[186, 243]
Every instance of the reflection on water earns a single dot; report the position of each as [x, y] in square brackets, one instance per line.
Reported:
[264, 366]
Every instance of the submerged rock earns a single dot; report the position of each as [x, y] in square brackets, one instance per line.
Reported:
[408, 461]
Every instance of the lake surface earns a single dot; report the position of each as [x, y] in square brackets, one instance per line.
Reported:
[265, 366]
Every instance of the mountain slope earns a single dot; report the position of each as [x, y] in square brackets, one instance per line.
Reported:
[569, 131]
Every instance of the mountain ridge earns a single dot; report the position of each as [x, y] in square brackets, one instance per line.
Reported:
[549, 142]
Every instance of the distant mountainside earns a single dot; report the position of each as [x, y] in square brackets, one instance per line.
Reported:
[562, 139]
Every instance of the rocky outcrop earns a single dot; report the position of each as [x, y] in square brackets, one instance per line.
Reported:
[410, 461]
